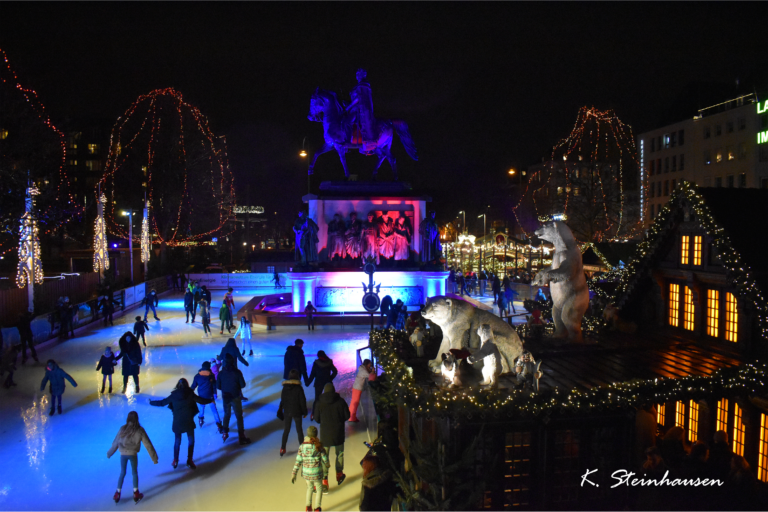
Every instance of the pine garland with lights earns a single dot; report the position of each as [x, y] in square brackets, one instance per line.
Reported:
[738, 271]
[422, 398]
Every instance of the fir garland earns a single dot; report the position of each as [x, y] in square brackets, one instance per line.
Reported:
[744, 380]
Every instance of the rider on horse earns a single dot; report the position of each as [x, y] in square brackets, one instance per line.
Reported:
[362, 110]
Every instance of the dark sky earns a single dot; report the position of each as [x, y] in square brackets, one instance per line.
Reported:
[483, 86]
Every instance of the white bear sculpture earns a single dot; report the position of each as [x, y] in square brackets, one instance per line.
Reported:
[489, 355]
[567, 283]
[459, 321]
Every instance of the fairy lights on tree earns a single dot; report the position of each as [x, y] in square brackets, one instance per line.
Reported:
[591, 179]
[164, 147]
[30, 268]
[31, 148]
[100, 248]
[145, 244]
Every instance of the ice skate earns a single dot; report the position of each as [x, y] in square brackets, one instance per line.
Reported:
[110, 389]
[220, 427]
[137, 496]
[325, 487]
[224, 437]
[250, 353]
[53, 411]
[282, 451]
[340, 477]
[102, 390]
[175, 463]
[201, 420]
[116, 497]
[190, 464]
[59, 409]
[245, 440]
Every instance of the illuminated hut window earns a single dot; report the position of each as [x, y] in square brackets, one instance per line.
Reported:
[722, 415]
[738, 431]
[697, 250]
[688, 319]
[693, 421]
[762, 454]
[684, 251]
[674, 304]
[517, 469]
[660, 413]
[713, 311]
[680, 414]
[731, 317]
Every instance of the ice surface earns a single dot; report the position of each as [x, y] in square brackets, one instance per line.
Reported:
[59, 462]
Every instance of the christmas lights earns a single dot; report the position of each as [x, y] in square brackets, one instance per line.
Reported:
[100, 250]
[145, 236]
[595, 157]
[30, 267]
[58, 208]
[167, 145]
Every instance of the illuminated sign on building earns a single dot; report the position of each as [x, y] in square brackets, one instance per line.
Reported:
[249, 209]
[762, 137]
[763, 109]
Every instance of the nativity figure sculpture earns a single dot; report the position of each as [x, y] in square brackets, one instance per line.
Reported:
[430, 239]
[369, 239]
[336, 238]
[352, 236]
[305, 230]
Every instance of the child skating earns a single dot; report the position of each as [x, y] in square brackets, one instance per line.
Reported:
[205, 316]
[107, 365]
[139, 328]
[245, 334]
[314, 465]
[56, 377]
[128, 440]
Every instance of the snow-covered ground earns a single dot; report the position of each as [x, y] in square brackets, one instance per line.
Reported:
[59, 462]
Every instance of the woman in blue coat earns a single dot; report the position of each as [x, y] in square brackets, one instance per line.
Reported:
[130, 353]
[56, 376]
[183, 402]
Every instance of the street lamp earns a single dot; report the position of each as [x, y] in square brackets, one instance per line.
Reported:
[130, 237]
[482, 246]
[464, 220]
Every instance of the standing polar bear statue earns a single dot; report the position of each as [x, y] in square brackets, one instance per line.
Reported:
[567, 283]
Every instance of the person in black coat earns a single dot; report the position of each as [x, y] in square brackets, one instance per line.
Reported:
[189, 305]
[56, 376]
[140, 327]
[107, 364]
[332, 413]
[323, 372]
[107, 309]
[231, 383]
[386, 304]
[231, 348]
[206, 294]
[294, 360]
[130, 353]
[293, 407]
[183, 402]
[25, 334]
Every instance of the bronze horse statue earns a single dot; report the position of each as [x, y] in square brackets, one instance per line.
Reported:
[341, 133]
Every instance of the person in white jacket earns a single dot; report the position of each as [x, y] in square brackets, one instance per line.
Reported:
[245, 334]
[364, 374]
[128, 440]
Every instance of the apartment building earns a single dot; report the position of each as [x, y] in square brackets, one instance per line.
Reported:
[725, 145]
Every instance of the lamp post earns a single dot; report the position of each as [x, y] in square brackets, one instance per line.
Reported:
[482, 250]
[129, 214]
[463, 221]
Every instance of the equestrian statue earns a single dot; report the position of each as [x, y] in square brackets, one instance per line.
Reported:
[353, 126]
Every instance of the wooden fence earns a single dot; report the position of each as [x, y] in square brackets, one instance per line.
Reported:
[78, 288]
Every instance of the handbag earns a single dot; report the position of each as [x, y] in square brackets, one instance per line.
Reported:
[280, 414]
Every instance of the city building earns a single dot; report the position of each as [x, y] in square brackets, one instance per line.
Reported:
[725, 145]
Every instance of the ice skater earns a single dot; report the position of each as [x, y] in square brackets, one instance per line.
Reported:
[189, 305]
[205, 382]
[205, 317]
[231, 383]
[130, 353]
[229, 301]
[56, 376]
[314, 464]
[107, 365]
[231, 349]
[128, 440]
[310, 310]
[292, 408]
[245, 334]
[183, 402]
[139, 328]
[225, 317]
[323, 372]
[150, 301]
[107, 309]
[363, 375]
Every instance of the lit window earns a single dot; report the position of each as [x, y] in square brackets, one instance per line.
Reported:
[93, 149]
[684, 250]
[144, 170]
[688, 311]
[661, 413]
[722, 415]
[697, 250]
[731, 152]
[3, 134]
[738, 431]
[713, 300]
[680, 414]
[73, 162]
[719, 155]
[93, 165]
[559, 191]
[693, 421]
[731, 317]
[674, 304]
[762, 453]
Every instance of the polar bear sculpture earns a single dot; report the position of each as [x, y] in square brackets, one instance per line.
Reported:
[459, 321]
[567, 284]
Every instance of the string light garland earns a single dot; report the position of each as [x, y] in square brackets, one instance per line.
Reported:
[423, 399]
[171, 144]
[30, 267]
[100, 248]
[605, 148]
[738, 271]
[145, 243]
[63, 199]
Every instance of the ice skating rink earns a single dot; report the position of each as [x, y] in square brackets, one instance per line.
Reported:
[60, 462]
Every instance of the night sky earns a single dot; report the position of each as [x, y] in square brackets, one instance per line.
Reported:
[483, 87]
